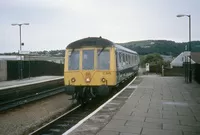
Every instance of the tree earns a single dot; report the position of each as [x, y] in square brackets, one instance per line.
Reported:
[152, 59]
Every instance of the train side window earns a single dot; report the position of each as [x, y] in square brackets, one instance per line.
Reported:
[73, 60]
[124, 57]
[119, 57]
[136, 58]
[129, 59]
[133, 59]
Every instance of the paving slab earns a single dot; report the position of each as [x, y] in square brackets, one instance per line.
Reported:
[148, 131]
[164, 105]
[158, 106]
[106, 132]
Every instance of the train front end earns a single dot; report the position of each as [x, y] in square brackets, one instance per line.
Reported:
[89, 71]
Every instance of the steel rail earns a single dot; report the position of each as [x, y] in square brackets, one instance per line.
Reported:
[30, 98]
[73, 117]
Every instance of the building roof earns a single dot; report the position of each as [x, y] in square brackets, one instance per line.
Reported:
[10, 57]
[183, 57]
[125, 49]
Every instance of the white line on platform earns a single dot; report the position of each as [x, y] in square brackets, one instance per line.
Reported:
[133, 86]
[94, 112]
[25, 84]
[133, 91]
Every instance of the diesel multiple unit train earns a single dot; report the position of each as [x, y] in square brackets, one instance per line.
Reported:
[94, 65]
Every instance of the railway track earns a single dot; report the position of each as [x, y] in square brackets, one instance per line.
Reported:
[69, 119]
[66, 121]
[30, 98]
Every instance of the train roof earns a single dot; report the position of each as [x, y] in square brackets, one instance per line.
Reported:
[91, 41]
[97, 42]
[125, 49]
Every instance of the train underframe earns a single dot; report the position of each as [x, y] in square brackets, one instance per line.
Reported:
[84, 93]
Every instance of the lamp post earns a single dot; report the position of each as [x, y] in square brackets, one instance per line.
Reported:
[189, 45]
[20, 41]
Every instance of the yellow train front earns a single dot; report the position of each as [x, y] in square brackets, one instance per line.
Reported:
[93, 66]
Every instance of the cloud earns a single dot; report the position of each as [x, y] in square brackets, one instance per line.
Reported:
[56, 23]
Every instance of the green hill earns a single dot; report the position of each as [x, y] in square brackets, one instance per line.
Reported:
[163, 47]
[160, 46]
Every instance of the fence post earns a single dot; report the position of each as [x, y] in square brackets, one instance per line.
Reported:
[163, 70]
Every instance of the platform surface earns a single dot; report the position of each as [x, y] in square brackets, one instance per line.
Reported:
[157, 106]
[27, 81]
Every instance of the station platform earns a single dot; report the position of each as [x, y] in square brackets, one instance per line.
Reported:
[157, 106]
[27, 81]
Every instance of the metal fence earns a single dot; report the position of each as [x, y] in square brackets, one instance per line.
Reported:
[33, 69]
[196, 72]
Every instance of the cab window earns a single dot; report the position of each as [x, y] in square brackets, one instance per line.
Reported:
[103, 59]
[73, 60]
[88, 60]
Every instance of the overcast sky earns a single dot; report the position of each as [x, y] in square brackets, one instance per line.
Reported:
[56, 23]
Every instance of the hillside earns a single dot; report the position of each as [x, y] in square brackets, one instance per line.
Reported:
[144, 47]
[160, 46]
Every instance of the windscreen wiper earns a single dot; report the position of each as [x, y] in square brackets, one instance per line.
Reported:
[101, 51]
[72, 52]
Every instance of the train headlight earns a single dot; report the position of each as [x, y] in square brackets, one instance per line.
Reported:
[87, 80]
[103, 80]
[73, 80]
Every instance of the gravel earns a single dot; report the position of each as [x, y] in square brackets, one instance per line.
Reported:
[24, 119]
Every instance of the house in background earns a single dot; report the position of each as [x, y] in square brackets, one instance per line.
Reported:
[183, 57]
[59, 60]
